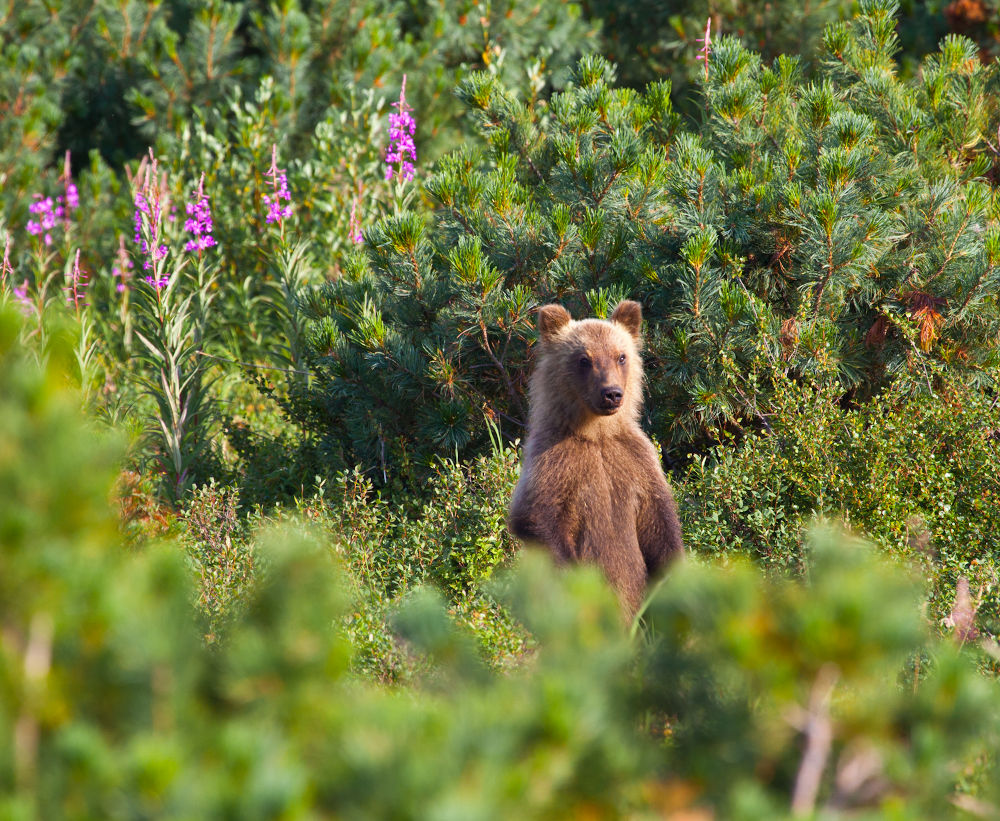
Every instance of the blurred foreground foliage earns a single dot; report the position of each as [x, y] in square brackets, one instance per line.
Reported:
[739, 696]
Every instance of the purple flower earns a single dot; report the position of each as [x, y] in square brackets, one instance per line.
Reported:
[7, 275]
[6, 269]
[48, 213]
[43, 209]
[355, 226]
[71, 197]
[199, 221]
[160, 283]
[276, 212]
[123, 269]
[402, 152]
[21, 295]
[150, 199]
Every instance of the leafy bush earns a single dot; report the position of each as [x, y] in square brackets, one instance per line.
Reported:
[213, 87]
[219, 543]
[117, 77]
[453, 536]
[917, 474]
[648, 40]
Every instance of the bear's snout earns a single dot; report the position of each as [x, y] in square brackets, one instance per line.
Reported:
[611, 398]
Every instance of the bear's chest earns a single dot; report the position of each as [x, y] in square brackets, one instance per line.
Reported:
[597, 473]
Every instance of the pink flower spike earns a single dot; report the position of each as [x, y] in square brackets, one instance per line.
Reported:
[21, 296]
[152, 202]
[48, 216]
[401, 154]
[123, 269]
[71, 196]
[276, 212]
[6, 269]
[75, 295]
[199, 221]
[706, 47]
[355, 225]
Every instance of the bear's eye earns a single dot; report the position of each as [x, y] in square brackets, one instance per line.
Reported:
[584, 363]
[621, 359]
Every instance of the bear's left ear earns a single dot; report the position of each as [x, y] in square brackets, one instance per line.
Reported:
[628, 314]
[551, 320]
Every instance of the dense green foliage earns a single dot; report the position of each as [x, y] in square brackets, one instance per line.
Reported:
[112, 706]
[453, 537]
[116, 74]
[840, 224]
[266, 573]
[648, 40]
[919, 476]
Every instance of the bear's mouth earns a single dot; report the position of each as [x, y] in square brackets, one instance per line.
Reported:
[609, 407]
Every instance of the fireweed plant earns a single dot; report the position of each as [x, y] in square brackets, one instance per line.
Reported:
[86, 348]
[6, 269]
[288, 267]
[171, 307]
[276, 212]
[121, 273]
[355, 224]
[49, 235]
[9, 287]
[401, 153]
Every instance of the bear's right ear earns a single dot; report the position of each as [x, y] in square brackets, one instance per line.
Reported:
[551, 320]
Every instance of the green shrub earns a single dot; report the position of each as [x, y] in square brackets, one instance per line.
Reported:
[649, 40]
[453, 536]
[915, 473]
[117, 77]
[807, 694]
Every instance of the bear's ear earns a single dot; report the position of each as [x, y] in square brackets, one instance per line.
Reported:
[628, 314]
[551, 320]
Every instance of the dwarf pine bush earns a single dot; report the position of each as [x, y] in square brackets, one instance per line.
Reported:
[835, 224]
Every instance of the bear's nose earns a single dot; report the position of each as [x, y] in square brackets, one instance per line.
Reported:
[612, 397]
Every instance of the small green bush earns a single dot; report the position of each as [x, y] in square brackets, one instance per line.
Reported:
[807, 694]
[453, 536]
[915, 473]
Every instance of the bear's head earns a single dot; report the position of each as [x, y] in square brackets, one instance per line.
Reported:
[591, 367]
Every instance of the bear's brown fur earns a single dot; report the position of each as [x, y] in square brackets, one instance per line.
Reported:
[591, 486]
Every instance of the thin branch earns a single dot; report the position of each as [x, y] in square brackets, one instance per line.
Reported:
[818, 730]
[514, 398]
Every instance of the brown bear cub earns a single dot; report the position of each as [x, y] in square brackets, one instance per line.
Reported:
[591, 487]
